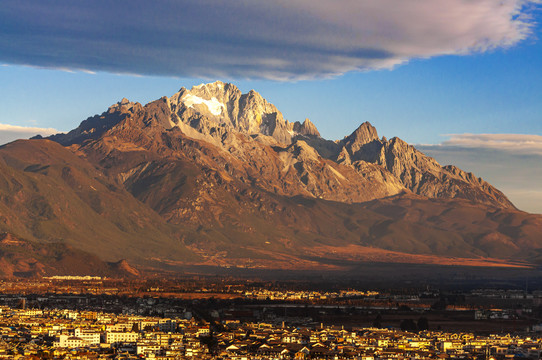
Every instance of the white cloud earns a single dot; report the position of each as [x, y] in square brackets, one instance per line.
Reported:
[516, 143]
[10, 133]
[278, 39]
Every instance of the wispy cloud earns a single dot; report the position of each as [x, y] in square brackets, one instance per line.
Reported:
[278, 39]
[10, 133]
[516, 143]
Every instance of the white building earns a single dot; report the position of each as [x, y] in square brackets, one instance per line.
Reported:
[89, 336]
[112, 337]
[69, 341]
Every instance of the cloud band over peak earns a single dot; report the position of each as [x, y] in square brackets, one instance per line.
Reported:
[515, 143]
[13, 132]
[275, 39]
[511, 162]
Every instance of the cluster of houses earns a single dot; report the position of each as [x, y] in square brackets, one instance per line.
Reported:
[71, 334]
[265, 294]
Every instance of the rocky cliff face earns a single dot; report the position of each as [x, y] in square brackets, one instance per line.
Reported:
[218, 105]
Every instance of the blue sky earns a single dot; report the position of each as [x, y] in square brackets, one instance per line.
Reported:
[429, 71]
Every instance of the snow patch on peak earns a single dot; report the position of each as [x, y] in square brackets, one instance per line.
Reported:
[214, 106]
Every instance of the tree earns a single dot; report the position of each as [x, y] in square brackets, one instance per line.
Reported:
[378, 321]
[409, 325]
[423, 324]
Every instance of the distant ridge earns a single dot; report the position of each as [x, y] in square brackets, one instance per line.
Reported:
[21, 258]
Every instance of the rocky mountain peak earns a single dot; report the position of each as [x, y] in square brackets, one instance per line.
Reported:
[364, 134]
[363, 143]
[222, 104]
[307, 128]
[94, 126]
[123, 105]
[210, 86]
[222, 92]
[124, 101]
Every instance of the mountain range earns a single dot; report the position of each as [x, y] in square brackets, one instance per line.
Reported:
[214, 177]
